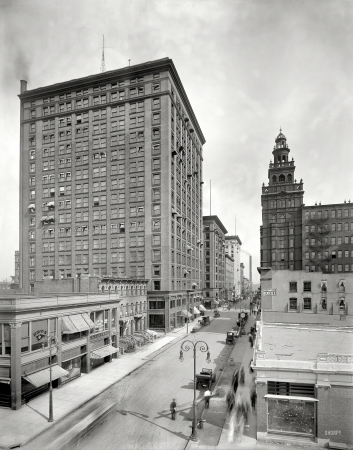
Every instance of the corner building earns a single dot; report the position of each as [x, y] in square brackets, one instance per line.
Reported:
[281, 201]
[111, 179]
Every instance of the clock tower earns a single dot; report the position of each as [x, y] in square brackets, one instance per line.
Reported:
[281, 201]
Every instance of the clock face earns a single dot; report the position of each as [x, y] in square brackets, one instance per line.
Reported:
[242, 315]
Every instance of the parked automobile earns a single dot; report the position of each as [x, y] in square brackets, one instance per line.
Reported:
[206, 377]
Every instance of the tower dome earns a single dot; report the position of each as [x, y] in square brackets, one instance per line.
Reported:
[281, 136]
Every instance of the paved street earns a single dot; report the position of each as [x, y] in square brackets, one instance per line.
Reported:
[142, 419]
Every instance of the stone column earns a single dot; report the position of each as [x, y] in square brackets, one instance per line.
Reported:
[261, 391]
[323, 413]
[15, 359]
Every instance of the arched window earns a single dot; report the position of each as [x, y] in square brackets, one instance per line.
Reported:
[278, 159]
[289, 178]
[284, 158]
[281, 178]
[274, 179]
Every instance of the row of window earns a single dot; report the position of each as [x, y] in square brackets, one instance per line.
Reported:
[307, 304]
[329, 268]
[101, 99]
[334, 213]
[334, 227]
[326, 255]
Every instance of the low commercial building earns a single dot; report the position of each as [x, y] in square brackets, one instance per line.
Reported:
[86, 329]
[307, 292]
[304, 378]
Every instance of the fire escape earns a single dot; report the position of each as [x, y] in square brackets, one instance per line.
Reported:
[321, 244]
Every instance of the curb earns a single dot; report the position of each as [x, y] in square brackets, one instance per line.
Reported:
[143, 362]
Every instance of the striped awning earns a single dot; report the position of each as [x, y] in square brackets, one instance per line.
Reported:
[43, 376]
[88, 320]
[75, 324]
[102, 352]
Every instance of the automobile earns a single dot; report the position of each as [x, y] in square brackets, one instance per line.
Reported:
[205, 378]
[230, 338]
[205, 320]
[216, 313]
[236, 331]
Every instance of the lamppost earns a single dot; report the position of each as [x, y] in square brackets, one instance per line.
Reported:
[52, 341]
[203, 347]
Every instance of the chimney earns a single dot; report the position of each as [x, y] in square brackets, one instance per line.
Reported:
[23, 86]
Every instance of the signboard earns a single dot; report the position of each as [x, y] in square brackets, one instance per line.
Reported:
[269, 292]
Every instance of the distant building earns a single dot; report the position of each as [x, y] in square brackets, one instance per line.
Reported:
[214, 251]
[281, 201]
[229, 278]
[233, 248]
[294, 236]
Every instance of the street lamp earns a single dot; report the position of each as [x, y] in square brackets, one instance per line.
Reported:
[203, 347]
[52, 341]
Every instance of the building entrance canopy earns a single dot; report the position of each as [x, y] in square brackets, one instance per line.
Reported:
[186, 313]
[43, 376]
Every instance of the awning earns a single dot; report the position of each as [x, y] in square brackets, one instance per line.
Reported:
[291, 397]
[202, 308]
[88, 320]
[43, 376]
[50, 204]
[5, 380]
[79, 322]
[44, 218]
[186, 313]
[75, 324]
[102, 352]
[32, 206]
[138, 316]
[196, 311]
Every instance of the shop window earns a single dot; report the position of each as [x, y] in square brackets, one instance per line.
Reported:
[39, 333]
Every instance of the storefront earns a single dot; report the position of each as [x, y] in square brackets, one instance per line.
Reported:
[81, 329]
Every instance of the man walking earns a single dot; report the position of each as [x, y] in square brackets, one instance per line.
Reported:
[173, 408]
[206, 397]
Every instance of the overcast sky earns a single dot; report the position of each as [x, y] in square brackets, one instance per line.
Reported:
[248, 67]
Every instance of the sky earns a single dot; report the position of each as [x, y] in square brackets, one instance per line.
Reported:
[248, 67]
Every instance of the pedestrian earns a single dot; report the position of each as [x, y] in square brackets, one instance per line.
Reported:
[206, 397]
[173, 408]
[242, 376]
[253, 396]
[235, 381]
[251, 340]
[230, 399]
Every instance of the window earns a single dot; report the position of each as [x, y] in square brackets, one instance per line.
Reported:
[307, 303]
[307, 286]
[292, 304]
[292, 286]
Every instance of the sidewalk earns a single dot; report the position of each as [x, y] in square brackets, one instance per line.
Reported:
[23, 425]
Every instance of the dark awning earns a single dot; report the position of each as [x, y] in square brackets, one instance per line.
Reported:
[102, 352]
[43, 376]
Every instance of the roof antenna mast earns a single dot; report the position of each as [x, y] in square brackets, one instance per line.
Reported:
[103, 60]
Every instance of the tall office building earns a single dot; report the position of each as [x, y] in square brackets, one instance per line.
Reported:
[233, 248]
[111, 179]
[281, 201]
[215, 266]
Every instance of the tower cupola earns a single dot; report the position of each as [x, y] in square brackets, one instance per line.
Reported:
[281, 149]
